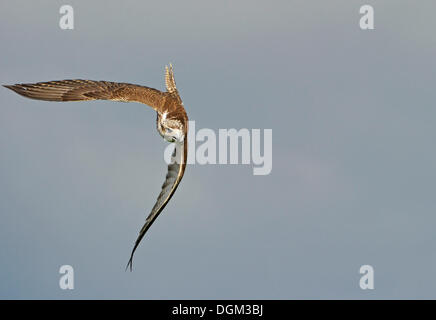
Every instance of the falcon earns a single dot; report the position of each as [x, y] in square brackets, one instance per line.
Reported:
[172, 121]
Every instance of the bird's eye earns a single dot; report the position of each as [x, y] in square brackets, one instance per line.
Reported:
[169, 130]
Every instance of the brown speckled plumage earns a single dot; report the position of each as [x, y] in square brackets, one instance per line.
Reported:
[172, 120]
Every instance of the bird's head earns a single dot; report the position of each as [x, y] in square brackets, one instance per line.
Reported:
[170, 129]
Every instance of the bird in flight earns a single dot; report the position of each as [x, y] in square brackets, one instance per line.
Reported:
[172, 121]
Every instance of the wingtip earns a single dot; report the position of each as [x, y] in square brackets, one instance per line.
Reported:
[14, 87]
[129, 264]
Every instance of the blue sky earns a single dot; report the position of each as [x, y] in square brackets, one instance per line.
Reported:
[353, 178]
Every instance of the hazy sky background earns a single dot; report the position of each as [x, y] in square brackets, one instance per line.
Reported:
[354, 159]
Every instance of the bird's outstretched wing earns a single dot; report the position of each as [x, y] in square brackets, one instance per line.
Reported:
[175, 173]
[82, 90]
